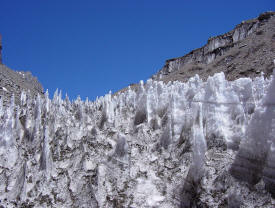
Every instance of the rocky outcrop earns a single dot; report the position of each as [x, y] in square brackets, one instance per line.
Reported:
[14, 82]
[245, 51]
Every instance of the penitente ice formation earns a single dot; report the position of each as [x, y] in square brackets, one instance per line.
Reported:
[199, 133]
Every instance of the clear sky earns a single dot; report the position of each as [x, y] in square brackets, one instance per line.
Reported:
[88, 47]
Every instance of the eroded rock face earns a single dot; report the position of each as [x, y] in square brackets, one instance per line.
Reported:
[162, 145]
[14, 82]
[245, 51]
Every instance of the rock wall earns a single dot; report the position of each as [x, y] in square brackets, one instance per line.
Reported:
[14, 82]
[221, 46]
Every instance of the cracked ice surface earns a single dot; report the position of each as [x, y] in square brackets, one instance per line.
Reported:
[157, 145]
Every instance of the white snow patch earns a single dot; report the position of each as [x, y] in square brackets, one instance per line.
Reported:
[146, 190]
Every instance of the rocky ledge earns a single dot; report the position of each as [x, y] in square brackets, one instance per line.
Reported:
[14, 82]
[238, 53]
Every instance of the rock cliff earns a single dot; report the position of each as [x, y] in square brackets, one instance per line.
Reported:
[245, 51]
[15, 82]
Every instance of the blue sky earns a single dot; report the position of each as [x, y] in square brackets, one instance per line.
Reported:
[88, 47]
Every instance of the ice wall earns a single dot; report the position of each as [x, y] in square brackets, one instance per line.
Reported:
[256, 157]
[159, 145]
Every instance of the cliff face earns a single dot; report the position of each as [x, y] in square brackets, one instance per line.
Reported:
[245, 51]
[14, 82]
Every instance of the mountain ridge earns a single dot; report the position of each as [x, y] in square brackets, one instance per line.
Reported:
[232, 52]
[239, 58]
[202, 60]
